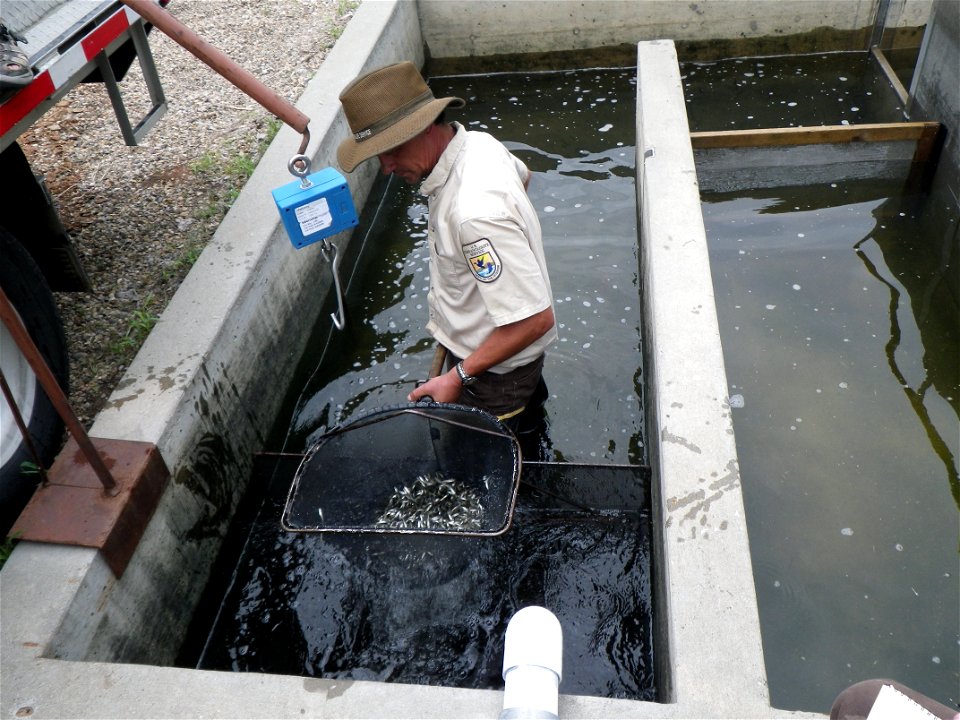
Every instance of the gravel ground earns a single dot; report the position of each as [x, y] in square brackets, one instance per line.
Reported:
[140, 216]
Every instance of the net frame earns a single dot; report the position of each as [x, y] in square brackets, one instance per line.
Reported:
[497, 479]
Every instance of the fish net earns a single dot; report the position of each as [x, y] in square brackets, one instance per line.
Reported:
[430, 468]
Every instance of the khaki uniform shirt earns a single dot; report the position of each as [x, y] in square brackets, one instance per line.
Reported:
[487, 266]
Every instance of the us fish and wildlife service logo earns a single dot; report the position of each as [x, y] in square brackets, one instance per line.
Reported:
[483, 260]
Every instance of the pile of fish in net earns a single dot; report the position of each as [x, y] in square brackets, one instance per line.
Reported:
[433, 502]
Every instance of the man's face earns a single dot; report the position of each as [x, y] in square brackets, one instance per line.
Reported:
[411, 161]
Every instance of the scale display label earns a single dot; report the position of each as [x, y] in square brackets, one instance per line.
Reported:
[314, 216]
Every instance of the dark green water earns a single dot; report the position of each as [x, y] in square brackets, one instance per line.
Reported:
[771, 92]
[841, 344]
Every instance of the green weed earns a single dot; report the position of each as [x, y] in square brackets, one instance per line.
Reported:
[138, 327]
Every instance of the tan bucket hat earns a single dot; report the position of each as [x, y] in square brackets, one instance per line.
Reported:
[385, 108]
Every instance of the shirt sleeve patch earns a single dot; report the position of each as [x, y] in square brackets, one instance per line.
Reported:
[483, 260]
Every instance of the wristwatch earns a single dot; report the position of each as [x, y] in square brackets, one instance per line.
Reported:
[464, 378]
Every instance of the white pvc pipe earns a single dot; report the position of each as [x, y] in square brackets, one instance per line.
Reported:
[532, 665]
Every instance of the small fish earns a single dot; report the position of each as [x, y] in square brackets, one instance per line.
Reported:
[433, 502]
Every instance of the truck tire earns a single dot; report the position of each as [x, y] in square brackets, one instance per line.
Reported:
[30, 296]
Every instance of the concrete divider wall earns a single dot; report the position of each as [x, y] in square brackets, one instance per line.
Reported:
[706, 609]
[491, 27]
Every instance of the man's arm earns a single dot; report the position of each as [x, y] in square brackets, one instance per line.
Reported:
[504, 342]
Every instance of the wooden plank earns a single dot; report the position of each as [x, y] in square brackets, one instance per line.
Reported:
[891, 74]
[772, 137]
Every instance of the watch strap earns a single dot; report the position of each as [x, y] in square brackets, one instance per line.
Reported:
[464, 378]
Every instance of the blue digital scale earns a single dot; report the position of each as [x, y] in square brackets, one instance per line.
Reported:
[317, 206]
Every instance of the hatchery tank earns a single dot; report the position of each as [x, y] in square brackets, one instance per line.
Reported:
[840, 340]
[837, 304]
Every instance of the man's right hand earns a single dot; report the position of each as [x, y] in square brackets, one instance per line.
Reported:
[444, 388]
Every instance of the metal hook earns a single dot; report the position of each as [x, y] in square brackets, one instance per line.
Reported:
[299, 166]
[329, 251]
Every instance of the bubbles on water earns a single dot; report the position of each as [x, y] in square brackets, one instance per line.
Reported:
[796, 286]
[736, 401]
[606, 128]
[898, 547]
[935, 660]
[847, 531]
[843, 385]
[549, 208]
[770, 307]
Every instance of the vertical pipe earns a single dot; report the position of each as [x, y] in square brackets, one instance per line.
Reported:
[532, 665]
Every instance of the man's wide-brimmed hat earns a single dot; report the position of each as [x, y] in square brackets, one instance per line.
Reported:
[385, 108]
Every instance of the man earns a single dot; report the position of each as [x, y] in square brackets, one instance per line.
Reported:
[490, 300]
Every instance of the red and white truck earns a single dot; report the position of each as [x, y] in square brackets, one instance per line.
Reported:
[48, 47]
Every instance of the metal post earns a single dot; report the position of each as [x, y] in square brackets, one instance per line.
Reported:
[50, 385]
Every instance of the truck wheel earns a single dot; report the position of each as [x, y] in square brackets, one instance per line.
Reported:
[30, 296]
